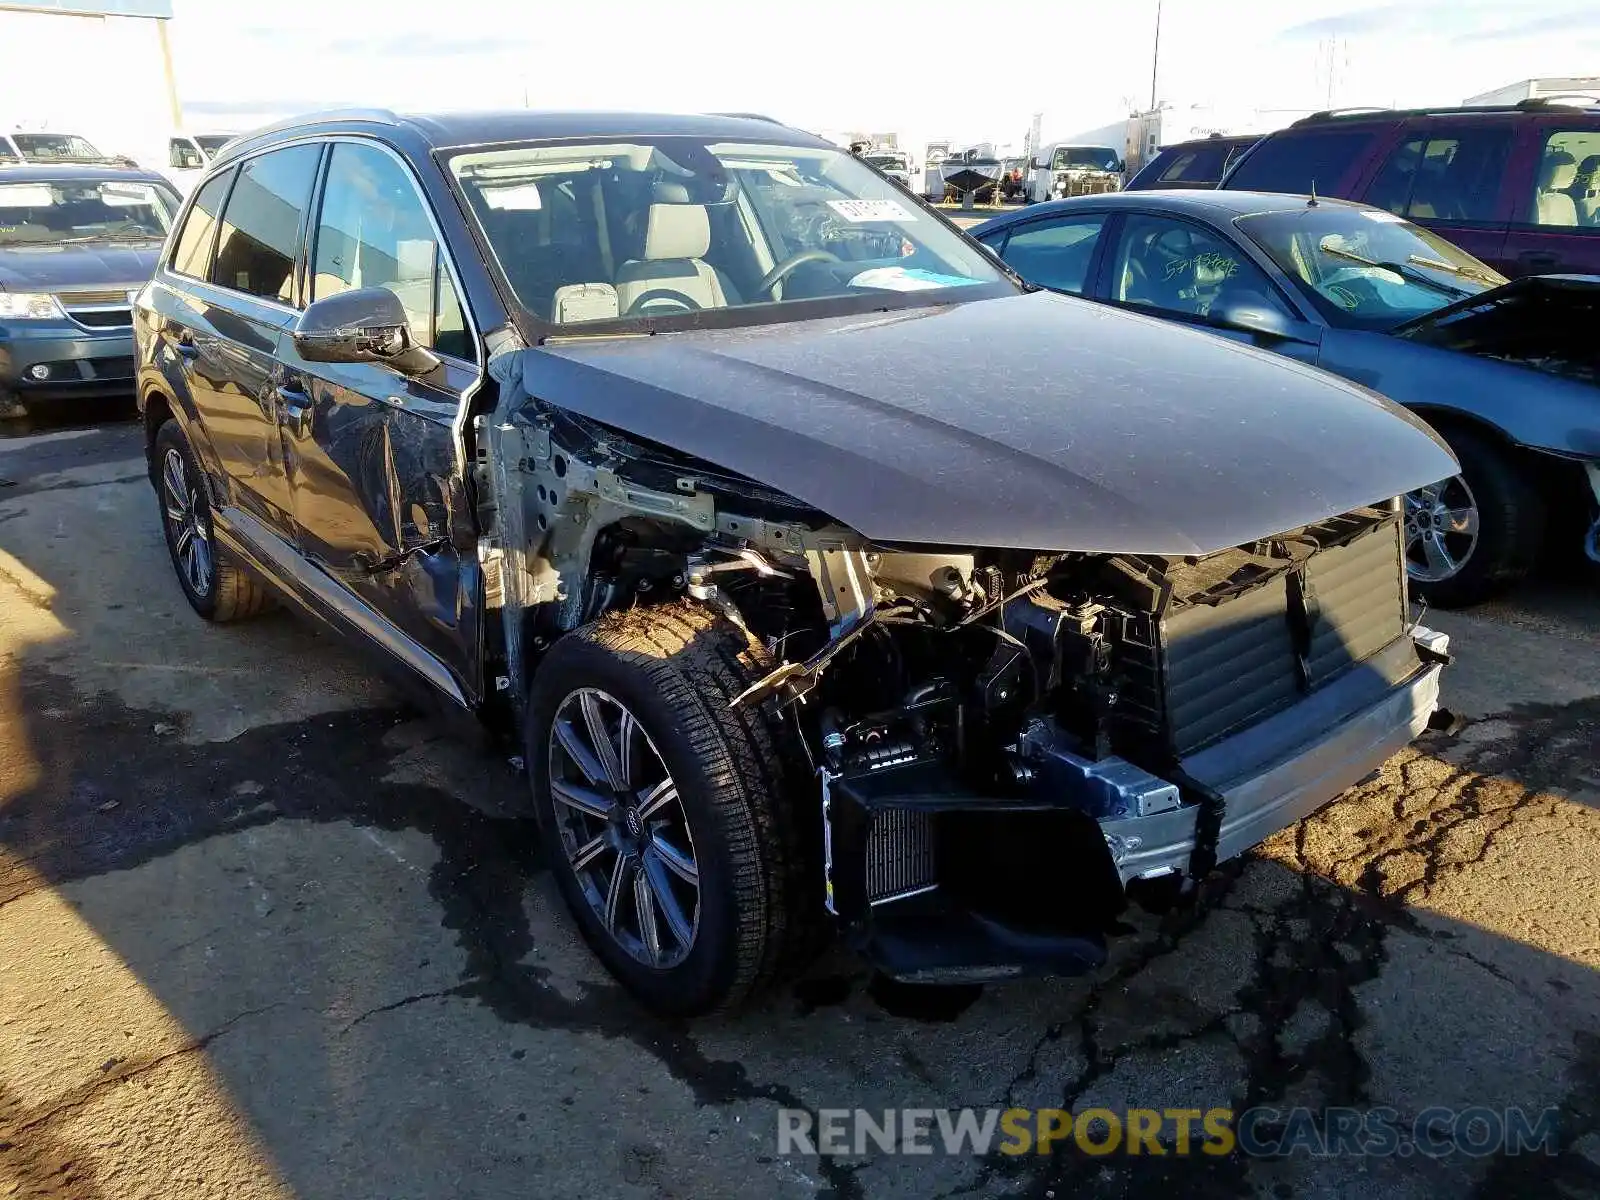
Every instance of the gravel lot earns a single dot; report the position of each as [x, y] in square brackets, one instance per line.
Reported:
[265, 932]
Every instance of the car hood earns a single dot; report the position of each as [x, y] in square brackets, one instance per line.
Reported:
[1529, 289]
[57, 267]
[1032, 421]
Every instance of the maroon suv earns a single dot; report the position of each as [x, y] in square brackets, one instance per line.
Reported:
[1518, 187]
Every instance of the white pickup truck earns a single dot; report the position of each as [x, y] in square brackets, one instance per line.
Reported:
[189, 154]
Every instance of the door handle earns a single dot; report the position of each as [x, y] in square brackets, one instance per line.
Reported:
[1542, 260]
[295, 406]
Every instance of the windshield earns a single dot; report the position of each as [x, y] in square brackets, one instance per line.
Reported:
[1366, 269]
[43, 212]
[55, 147]
[1081, 158]
[662, 227]
[212, 142]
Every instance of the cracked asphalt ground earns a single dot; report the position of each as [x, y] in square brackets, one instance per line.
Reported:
[265, 932]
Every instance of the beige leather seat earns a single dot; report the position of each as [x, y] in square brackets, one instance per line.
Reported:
[1555, 206]
[671, 277]
[1586, 191]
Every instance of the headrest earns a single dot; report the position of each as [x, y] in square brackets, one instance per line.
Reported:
[677, 231]
[1559, 171]
[583, 302]
[669, 191]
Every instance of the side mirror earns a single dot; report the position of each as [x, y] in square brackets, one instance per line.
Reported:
[364, 325]
[1263, 320]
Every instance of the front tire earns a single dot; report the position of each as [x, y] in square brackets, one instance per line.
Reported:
[1477, 533]
[668, 816]
[216, 587]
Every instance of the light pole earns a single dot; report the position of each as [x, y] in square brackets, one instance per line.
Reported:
[1155, 57]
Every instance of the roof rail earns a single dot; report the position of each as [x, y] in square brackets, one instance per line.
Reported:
[1356, 110]
[1537, 104]
[242, 141]
[748, 116]
[1559, 100]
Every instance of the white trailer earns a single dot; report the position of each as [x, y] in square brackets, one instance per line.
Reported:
[1547, 88]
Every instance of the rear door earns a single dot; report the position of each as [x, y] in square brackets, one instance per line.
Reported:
[1326, 159]
[1056, 251]
[1555, 218]
[253, 280]
[379, 487]
[1452, 177]
[239, 300]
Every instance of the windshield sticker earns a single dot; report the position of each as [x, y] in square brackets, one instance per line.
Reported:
[907, 279]
[857, 211]
[1383, 218]
[520, 197]
[26, 195]
[125, 197]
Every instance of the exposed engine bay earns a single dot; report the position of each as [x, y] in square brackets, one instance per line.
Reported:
[1544, 323]
[1002, 739]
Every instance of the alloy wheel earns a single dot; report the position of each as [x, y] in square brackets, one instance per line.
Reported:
[187, 530]
[1441, 528]
[623, 828]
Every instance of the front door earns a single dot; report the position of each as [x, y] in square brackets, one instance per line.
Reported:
[1453, 178]
[375, 462]
[1556, 222]
[1188, 272]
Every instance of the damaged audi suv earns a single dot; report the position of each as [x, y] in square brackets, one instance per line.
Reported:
[823, 576]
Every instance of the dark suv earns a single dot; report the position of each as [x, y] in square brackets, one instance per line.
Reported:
[1517, 187]
[653, 443]
[1200, 163]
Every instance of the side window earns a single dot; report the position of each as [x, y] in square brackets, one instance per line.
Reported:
[181, 154]
[1392, 187]
[1055, 253]
[373, 231]
[1297, 162]
[1566, 188]
[192, 255]
[1180, 268]
[1447, 178]
[261, 227]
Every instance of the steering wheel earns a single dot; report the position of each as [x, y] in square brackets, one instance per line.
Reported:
[680, 302]
[784, 269]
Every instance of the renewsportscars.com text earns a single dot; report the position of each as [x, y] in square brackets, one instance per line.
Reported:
[1258, 1132]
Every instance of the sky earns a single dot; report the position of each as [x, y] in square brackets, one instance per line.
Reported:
[879, 65]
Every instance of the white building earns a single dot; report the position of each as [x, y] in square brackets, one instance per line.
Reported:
[99, 69]
[1540, 89]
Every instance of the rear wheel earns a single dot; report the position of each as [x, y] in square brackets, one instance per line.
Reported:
[1476, 533]
[217, 587]
[670, 824]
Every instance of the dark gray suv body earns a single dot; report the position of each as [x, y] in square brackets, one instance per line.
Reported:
[652, 443]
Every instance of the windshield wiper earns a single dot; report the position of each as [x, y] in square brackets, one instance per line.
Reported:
[1434, 264]
[1399, 269]
[124, 235]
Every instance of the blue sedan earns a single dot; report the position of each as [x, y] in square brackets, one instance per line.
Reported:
[1508, 373]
